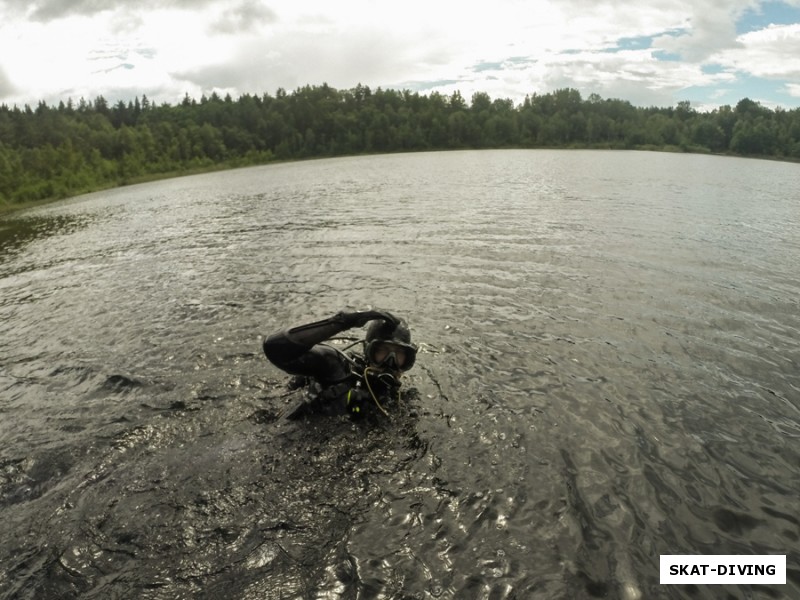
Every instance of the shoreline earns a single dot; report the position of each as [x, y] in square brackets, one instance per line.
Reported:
[9, 208]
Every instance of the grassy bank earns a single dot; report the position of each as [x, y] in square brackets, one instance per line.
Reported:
[10, 207]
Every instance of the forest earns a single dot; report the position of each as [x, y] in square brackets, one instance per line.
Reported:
[51, 152]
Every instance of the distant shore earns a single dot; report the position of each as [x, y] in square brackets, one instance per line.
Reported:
[56, 152]
[9, 208]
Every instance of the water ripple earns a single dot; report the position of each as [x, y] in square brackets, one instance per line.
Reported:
[608, 373]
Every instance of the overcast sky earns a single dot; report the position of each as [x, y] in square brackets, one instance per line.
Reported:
[653, 52]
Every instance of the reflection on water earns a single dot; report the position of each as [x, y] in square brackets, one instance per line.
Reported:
[16, 233]
[608, 374]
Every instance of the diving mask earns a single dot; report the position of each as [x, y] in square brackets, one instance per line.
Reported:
[391, 355]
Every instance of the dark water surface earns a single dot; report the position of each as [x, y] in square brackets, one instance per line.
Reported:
[609, 372]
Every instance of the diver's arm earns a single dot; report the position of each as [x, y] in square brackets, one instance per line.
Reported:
[284, 348]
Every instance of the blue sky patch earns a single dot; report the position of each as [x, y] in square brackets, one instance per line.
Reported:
[641, 42]
[487, 66]
[768, 13]
[509, 63]
[666, 56]
[712, 69]
[423, 86]
[744, 86]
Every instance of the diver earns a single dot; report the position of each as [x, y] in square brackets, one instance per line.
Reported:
[339, 382]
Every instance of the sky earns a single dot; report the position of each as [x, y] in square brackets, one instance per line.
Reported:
[651, 53]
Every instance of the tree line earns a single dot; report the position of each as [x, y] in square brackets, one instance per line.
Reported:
[59, 151]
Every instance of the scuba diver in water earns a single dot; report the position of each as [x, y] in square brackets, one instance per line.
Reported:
[339, 382]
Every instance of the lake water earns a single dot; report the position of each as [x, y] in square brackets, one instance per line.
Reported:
[609, 372]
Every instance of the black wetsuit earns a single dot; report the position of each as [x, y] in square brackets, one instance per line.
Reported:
[335, 383]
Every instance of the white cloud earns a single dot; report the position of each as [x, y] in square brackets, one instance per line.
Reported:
[512, 48]
[773, 52]
[43, 59]
[6, 87]
[45, 11]
[311, 55]
[709, 27]
[248, 16]
[634, 75]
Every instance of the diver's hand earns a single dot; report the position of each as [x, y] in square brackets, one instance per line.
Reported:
[362, 317]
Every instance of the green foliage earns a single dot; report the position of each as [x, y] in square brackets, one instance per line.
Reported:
[53, 152]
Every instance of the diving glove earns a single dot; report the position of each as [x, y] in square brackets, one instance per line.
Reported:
[362, 317]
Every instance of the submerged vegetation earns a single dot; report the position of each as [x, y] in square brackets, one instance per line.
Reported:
[54, 152]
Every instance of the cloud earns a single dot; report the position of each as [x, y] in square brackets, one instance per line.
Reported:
[56, 9]
[648, 53]
[709, 27]
[772, 53]
[634, 75]
[249, 15]
[125, 22]
[6, 87]
[50, 10]
[630, 54]
[292, 58]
